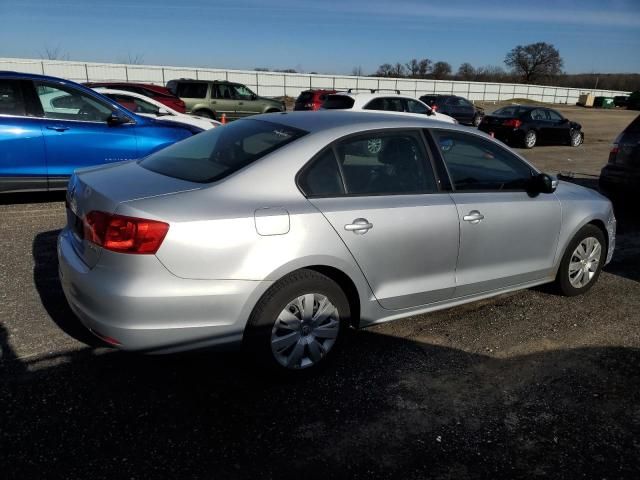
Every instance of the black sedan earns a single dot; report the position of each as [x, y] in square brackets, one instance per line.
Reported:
[622, 173]
[457, 107]
[529, 126]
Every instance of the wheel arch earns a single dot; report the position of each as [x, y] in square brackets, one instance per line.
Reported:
[597, 222]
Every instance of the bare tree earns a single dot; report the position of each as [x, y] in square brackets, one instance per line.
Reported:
[385, 70]
[534, 61]
[133, 59]
[466, 72]
[424, 67]
[54, 53]
[491, 73]
[357, 71]
[413, 67]
[399, 70]
[441, 70]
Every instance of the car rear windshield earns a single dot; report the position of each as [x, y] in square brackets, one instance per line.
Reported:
[511, 111]
[338, 102]
[305, 97]
[217, 153]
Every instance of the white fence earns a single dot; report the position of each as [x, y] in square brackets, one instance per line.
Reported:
[272, 84]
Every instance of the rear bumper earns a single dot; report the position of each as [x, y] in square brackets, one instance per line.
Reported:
[147, 308]
[617, 178]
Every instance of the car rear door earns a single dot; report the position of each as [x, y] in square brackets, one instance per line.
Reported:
[379, 192]
[22, 154]
[77, 134]
[223, 100]
[507, 236]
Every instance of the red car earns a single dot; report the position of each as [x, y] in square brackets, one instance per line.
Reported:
[158, 93]
[312, 99]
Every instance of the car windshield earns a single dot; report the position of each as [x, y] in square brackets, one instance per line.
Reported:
[215, 154]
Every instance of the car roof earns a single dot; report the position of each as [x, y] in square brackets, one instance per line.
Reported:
[33, 76]
[363, 98]
[350, 121]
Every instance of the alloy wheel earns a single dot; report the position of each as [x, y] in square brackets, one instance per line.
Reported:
[305, 331]
[584, 262]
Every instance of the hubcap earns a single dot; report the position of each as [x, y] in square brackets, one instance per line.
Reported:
[305, 331]
[584, 262]
[531, 139]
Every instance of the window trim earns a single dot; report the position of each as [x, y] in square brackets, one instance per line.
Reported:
[481, 137]
[388, 131]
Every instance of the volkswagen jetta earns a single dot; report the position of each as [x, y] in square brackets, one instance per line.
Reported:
[280, 232]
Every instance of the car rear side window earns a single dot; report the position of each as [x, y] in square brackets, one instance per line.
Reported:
[371, 164]
[476, 164]
[322, 178]
[192, 90]
[217, 153]
[338, 102]
[11, 99]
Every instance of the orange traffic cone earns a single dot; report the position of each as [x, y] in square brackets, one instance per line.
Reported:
[223, 119]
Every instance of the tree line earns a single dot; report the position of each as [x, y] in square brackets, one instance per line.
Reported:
[536, 63]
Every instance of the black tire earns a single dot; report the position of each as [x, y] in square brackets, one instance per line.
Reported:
[575, 138]
[530, 139]
[260, 328]
[273, 110]
[205, 114]
[562, 283]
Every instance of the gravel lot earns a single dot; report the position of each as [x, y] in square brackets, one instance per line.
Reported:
[525, 385]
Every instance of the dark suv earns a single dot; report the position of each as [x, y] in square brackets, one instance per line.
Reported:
[457, 107]
[213, 98]
[312, 99]
[622, 173]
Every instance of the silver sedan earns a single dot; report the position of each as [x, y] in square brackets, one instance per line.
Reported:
[281, 231]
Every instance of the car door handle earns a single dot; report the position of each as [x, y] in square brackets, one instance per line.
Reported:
[57, 128]
[474, 216]
[359, 226]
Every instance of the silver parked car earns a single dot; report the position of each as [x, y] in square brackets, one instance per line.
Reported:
[282, 231]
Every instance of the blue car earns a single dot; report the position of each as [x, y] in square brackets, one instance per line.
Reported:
[49, 127]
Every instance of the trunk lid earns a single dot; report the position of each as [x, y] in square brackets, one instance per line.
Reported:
[105, 188]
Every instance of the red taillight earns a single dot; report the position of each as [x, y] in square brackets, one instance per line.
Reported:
[434, 107]
[615, 149]
[512, 122]
[124, 234]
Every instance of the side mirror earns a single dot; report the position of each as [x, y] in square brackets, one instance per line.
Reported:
[543, 183]
[162, 112]
[253, 96]
[117, 118]
[431, 112]
[564, 120]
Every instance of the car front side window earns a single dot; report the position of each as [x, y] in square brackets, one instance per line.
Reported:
[476, 164]
[416, 107]
[65, 103]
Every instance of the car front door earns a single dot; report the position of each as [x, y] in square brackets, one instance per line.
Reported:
[22, 155]
[507, 236]
[559, 127]
[76, 132]
[248, 103]
[380, 194]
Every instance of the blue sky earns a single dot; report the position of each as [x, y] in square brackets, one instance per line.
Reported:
[329, 36]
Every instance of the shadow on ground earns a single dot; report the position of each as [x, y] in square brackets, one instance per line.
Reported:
[387, 407]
